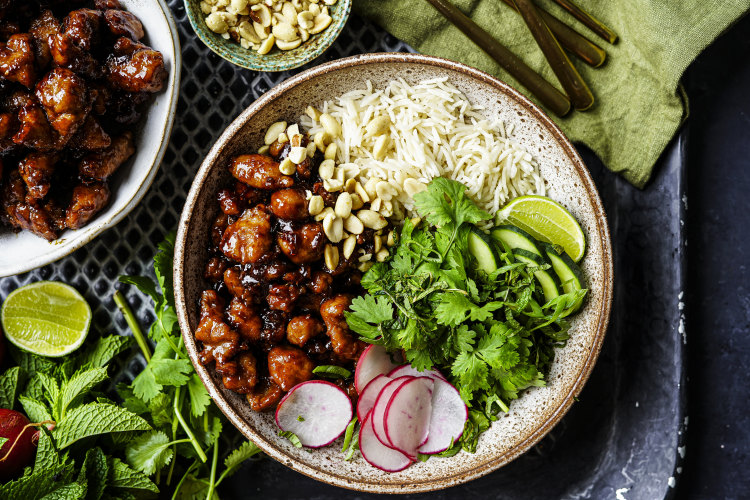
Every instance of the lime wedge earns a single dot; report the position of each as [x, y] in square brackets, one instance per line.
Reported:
[48, 318]
[547, 221]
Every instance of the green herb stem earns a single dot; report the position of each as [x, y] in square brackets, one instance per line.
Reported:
[182, 480]
[212, 481]
[124, 308]
[186, 427]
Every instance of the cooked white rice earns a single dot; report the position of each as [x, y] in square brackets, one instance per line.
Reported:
[434, 131]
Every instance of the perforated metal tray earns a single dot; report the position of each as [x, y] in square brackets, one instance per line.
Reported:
[623, 439]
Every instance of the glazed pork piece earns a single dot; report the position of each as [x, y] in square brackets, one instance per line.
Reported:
[74, 78]
[273, 295]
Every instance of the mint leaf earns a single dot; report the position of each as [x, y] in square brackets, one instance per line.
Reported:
[51, 471]
[94, 472]
[122, 477]
[103, 351]
[51, 392]
[69, 491]
[199, 397]
[3, 441]
[79, 385]
[31, 363]
[35, 410]
[47, 455]
[96, 418]
[9, 385]
[34, 389]
[246, 450]
[149, 452]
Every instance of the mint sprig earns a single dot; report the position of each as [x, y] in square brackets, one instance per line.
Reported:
[155, 440]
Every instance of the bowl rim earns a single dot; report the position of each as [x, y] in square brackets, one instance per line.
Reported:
[65, 248]
[429, 484]
[208, 40]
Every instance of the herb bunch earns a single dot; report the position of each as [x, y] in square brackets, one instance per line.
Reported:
[165, 437]
[488, 332]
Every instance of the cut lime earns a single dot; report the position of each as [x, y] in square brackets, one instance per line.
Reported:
[48, 318]
[547, 221]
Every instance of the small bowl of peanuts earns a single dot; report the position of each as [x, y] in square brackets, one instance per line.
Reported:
[268, 35]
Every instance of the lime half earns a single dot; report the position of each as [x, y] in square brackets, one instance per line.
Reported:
[547, 221]
[48, 318]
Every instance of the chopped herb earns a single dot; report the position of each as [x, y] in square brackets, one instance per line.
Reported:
[332, 371]
[292, 437]
[351, 439]
[300, 418]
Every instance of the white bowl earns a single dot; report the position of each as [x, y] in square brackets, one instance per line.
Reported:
[569, 182]
[21, 252]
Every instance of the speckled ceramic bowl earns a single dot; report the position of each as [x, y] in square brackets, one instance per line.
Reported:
[21, 252]
[533, 415]
[276, 60]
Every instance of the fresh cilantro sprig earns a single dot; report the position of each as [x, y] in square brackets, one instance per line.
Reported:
[170, 395]
[488, 333]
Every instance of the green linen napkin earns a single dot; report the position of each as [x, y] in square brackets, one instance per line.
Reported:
[639, 101]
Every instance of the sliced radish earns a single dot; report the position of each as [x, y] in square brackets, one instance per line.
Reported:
[374, 361]
[376, 453]
[318, 412]
[449, 414]
[378, 410]
[407, 416]
[404, 370]
[370, 395]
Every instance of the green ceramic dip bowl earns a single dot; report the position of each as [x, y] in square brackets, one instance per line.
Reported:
[276, 60]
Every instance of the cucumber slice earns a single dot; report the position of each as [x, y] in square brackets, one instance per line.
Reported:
[571, 276]
[516, 238]
[481, 247]
[549, 281]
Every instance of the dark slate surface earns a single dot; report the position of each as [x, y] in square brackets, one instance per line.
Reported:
[718, 301]
[627, 431]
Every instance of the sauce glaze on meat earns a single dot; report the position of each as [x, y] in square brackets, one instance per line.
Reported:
[72, 84]
[274, 310]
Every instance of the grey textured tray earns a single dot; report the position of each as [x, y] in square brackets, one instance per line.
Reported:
[622, 440]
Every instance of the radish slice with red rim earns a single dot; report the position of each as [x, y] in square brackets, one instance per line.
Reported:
[449, 414]
[407, 416]
[369, 395]
[373, 361]
[378, 410]
[403, 370]
[376, 453]
[317, 411]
